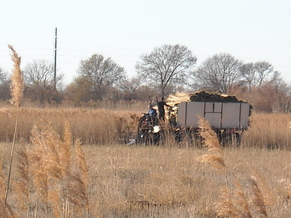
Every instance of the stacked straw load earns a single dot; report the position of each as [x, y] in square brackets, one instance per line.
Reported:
[173, 100]
[199, 96]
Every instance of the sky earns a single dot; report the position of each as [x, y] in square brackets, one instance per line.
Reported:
[249, 30]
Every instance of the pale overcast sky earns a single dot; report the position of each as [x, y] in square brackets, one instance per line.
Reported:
[249, 30]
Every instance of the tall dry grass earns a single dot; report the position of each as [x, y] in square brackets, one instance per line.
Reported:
[17, 88]
[92, 126]
[100, 126]
[268, 131]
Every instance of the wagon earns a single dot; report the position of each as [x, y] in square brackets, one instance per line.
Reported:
[228, 119]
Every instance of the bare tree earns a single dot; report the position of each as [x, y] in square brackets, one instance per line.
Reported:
[130, 87]
[39, 81]
[4, 86]
[218, 73]
[248, 74]
[166, 65]
[254, 74]
[263, 69]
[100, 75]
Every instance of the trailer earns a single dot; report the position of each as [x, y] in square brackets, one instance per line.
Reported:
[228, 119]
[220, 115]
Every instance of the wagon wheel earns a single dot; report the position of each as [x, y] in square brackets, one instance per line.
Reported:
[230, 139]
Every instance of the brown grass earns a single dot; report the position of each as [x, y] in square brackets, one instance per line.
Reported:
[100, 126]
[270, 131]
[147, 181]
[56, 175]
[91, 126]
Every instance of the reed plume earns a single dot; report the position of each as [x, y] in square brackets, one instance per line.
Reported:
[76, 179]
[241, 202]
[257, 199]
[75, 192]
[16, 88]
[37, 159]
[46, 163]
[55, 180]
[211, 142]
[225, 207]
[17, 85]
[267, 195]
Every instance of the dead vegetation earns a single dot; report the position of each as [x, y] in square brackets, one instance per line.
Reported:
[56, 176]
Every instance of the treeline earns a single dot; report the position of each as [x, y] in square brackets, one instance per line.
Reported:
[167, 69]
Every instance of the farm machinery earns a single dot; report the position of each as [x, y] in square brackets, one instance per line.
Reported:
[150, 129]
[228, 117]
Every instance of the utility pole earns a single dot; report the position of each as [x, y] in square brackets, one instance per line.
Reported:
[55, 62]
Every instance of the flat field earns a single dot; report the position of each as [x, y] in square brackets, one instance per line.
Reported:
[56, 175]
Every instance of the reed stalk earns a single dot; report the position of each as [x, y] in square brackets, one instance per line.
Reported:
[16, 94]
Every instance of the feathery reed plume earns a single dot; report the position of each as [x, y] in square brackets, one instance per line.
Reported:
[38, 164]
[54, 198]
[76, 180]
[210, 138]
[257, 199]
[52, 142]
[267, 194]
[16, 79]
[16, 93]
[241, 202]
[75, 191]
[225, 207]
[45, 161]
[212, 144]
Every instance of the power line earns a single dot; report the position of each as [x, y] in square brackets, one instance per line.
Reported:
[55, 59]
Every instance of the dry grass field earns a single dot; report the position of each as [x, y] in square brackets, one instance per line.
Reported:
[75, 163]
